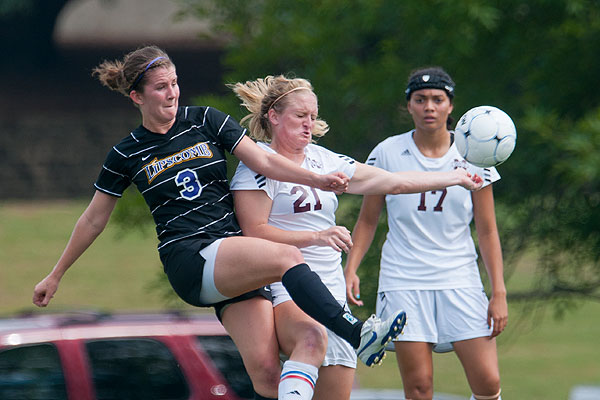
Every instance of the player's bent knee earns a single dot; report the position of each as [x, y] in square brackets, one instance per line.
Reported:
[288, 255]
[314, 339]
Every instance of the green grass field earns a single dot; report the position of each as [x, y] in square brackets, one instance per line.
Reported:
[540, 357]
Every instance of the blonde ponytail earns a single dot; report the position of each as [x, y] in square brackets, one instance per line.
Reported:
[262, 94]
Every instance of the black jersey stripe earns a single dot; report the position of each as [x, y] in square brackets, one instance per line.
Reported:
[238, 141]
[107, 191]
[118, 152]
[137, 173]
[146, 149]
[179, 198]
[185, 131]
[114, 172]
[199, 231]
[222, 125]
[160, 205]
[142, 151]
[133, 154]
[157, 184]
[194, 209]
[204, 116]
[215, 221]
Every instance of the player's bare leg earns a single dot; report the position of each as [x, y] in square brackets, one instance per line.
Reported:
[300, 337]
[256, 341]
[480, 362]
[335, 383]
[415, 363]
[304, 341]
[243, 264]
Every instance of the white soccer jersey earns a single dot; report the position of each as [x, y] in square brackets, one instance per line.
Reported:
[303, 208]
[428, 244]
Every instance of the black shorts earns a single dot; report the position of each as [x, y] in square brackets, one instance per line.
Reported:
[264, 291]
[184, 266]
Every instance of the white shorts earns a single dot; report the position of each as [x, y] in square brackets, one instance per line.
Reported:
[438, 316]
[209, 293]
[339, 351]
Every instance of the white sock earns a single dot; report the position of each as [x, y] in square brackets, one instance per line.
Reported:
[297, 381]
[473, 397]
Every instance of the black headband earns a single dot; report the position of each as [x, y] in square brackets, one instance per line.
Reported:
[430, 81]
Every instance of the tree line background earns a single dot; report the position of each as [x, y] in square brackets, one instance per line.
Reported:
[538, 60]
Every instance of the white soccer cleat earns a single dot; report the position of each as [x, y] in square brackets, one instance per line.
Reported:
[376, 334]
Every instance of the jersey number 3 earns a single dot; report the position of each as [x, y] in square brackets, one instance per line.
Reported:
[191, 186]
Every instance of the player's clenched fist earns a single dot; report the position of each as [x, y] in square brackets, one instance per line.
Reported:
[44, 291]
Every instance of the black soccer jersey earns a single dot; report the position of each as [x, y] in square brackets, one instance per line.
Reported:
[181, 174]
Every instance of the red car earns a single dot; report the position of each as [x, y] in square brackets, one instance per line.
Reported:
[95, 356]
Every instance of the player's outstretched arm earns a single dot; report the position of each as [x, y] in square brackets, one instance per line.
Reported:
[372, 180]
[91, 223]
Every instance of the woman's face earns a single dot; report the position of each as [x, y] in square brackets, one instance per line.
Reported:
[293, 126]
[159, 99]
[430, 109]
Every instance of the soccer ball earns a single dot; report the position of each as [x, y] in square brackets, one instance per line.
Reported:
[485, 136]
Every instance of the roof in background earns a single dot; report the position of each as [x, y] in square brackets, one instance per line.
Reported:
[109, 23]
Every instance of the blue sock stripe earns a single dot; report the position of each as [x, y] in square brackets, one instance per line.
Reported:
[303, 374]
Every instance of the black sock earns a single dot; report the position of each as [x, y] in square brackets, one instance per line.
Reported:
[259, 397]
[312, 296]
